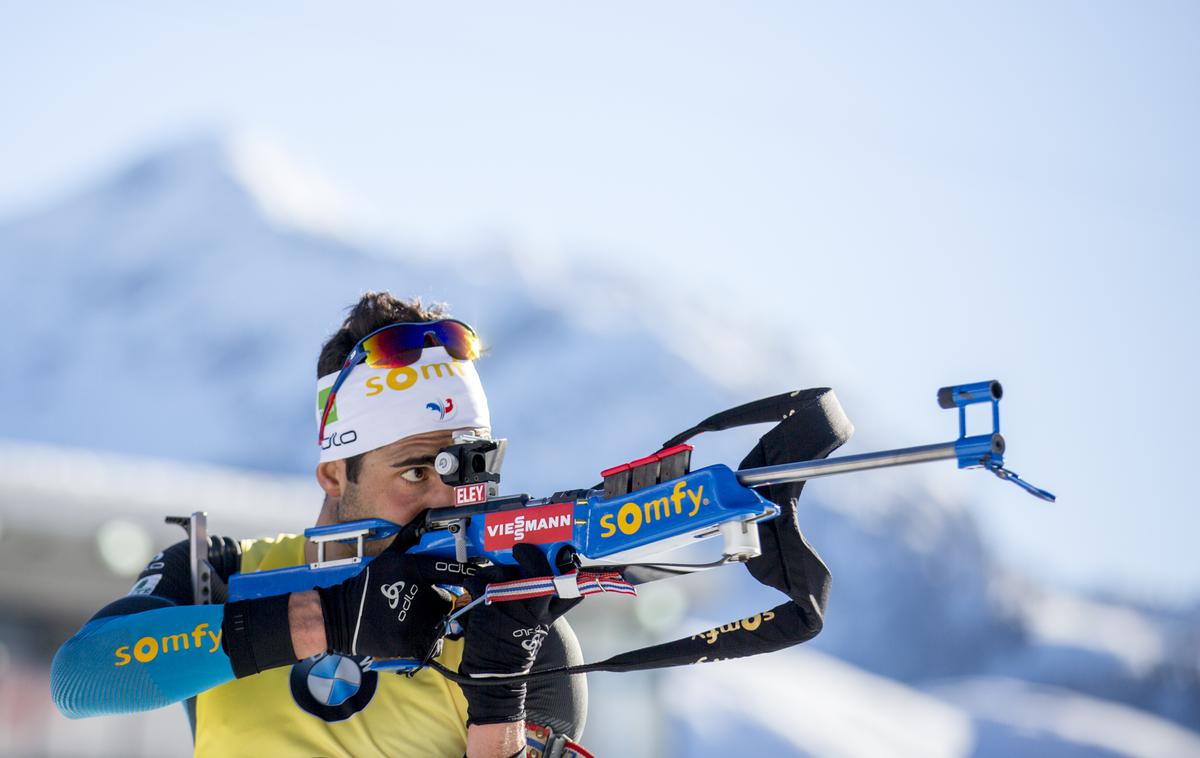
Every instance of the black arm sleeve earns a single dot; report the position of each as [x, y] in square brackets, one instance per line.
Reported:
[559, 702]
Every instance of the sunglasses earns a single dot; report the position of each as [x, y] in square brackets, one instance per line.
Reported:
[400, 345]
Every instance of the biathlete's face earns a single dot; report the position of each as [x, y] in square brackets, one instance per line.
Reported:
[395, 482]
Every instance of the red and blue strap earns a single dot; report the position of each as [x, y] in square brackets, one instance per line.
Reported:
[574, 584]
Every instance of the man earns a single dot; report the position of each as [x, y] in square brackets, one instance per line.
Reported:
[291, 674]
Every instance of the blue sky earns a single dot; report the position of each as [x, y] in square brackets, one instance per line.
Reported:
[928, 192]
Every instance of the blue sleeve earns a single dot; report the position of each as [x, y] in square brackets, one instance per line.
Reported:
[140, 661]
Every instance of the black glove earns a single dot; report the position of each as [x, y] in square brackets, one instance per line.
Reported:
[504, 638]
[256, 635]
[390, 609]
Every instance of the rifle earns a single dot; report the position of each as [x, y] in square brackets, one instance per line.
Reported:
[594, 537]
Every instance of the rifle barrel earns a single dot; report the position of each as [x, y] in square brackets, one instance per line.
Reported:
[798, 472]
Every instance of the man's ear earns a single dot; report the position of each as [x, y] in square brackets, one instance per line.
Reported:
[331, 475]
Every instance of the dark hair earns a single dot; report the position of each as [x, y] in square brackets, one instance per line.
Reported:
[373, 310]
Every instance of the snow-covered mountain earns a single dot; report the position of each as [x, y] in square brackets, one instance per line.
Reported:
[176, 309]
[190, 321]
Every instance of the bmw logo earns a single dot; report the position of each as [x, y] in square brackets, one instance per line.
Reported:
[333, 687]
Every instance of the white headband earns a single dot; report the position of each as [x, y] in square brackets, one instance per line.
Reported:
[377, 406]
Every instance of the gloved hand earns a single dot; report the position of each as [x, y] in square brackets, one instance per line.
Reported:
[391, 609]
[504, 638]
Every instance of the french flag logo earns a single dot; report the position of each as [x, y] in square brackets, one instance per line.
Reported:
[443, 408]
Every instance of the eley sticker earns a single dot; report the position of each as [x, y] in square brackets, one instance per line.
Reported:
[146, 584]
[540, 524]
[469, 494]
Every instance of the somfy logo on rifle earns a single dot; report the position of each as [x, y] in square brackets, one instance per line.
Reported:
[631, 516]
